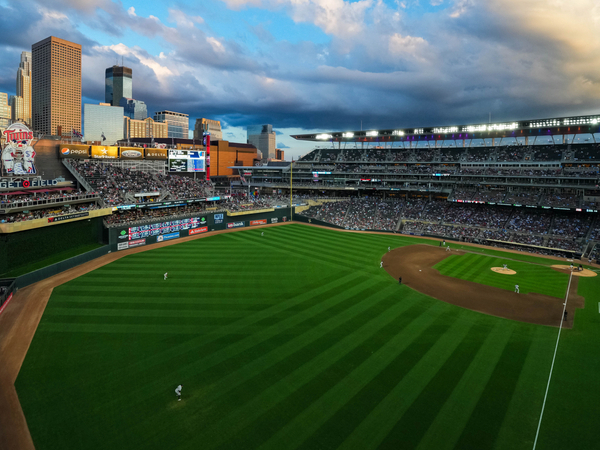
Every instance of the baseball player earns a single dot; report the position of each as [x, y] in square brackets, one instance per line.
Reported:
[571, 267]
[262, 233]
[448, 248]
[517, 288]
[388, 249]
[178, 392]
[505, 266]
[166, 275]
[381, 264]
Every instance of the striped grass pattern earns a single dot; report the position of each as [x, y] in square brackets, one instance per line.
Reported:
[291, 340]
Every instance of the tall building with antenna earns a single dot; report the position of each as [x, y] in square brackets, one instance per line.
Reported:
[118, 84]
[22, 107]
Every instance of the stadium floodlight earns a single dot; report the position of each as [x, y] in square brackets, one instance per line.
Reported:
[398, 133]
[443, 130]
[372, 133]
[324, 137]
[348, 135]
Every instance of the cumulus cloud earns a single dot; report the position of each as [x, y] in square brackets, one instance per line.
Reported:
[382, 63]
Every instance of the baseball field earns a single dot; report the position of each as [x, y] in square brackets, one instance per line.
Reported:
[299, 340]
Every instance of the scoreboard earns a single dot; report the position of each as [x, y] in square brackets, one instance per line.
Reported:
[186, 161]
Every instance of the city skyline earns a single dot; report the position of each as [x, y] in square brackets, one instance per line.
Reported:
[328, 65]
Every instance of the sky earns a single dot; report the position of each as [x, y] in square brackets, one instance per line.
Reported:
[309, 66]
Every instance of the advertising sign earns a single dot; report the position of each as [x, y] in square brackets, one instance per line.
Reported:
[199, 230]
[105, 152]
[219, 218]
[122, 245]
[137, 243]
[155, 153]
[167, 237]
[131, 153]
[77, 151]
[235, 224]
[18, 155]
[67, 217]
[258, 222]
[274, 219]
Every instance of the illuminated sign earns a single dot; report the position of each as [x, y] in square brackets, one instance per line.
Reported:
[18, 155]
[74, 151]
[131, 153]
[105, 152]
[155, 153]
[186, 161]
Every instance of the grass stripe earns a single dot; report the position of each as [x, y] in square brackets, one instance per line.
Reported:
[454, 414]
[484, 424]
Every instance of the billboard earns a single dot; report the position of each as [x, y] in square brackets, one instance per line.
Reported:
[131, 153]
[235, 224]
[167, 237]
[74, 151]
[18, 155]
[258, 222]
[105, 152]
[198, 230]
[155, 153]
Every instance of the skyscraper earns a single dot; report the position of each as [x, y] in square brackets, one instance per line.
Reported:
[56, 86]
[179, 123]
[103, 123]
[5, 112]
[134, 109]
[118, 84]
[22, 110]
[212, 126]
[263, 138]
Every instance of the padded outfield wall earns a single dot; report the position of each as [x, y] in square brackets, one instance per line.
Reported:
[27, 247]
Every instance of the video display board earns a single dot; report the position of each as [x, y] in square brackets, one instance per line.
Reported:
[156, 229]
[186, 161]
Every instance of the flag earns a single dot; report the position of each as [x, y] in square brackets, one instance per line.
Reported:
[103, 137]
[77, 133]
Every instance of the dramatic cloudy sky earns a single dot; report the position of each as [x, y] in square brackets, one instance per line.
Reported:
[308, 65]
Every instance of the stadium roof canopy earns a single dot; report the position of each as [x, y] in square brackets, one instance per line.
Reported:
[532, 128]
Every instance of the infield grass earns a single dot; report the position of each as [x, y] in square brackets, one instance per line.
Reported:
[530, 276]
[295, 340]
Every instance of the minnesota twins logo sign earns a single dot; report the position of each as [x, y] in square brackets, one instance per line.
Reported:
[18, 154]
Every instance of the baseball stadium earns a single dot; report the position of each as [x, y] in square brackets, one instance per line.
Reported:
[423, 288]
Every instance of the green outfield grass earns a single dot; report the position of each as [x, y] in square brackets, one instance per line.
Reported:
[297, 340]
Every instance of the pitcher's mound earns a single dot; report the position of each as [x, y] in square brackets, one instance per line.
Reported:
[577, 273]
[503, 271]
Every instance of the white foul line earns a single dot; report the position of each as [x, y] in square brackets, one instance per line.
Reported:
[553, 358]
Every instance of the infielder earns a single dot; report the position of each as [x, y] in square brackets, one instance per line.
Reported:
[517, 288]
[505, 266]
[448, 248]
[262, 233]
[388, 249]
[178, 392]
[381, 265]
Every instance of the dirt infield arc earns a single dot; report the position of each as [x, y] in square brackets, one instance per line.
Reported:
[414, 264]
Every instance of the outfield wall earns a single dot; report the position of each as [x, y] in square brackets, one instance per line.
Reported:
[137, 234]
[29, 246]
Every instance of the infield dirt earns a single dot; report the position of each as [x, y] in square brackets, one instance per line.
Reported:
[414, 264]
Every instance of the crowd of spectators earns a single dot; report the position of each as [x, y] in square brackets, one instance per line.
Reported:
[9, 200]
[466, 222]
[510, 153]
[47, 212]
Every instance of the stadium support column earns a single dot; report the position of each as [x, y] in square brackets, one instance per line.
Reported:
[291, 194]
[207, 159]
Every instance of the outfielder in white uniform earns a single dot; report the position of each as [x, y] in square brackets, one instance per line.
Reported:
[166, 275]
[178, 392]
